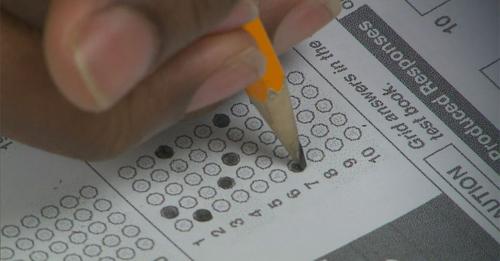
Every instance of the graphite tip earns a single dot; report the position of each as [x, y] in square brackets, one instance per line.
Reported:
[300, 163]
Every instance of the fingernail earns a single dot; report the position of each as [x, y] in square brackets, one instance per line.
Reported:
[237, 74]
[114, 51]
[303, 21]
[243, 12]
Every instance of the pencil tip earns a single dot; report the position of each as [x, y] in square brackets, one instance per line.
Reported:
[300, 163]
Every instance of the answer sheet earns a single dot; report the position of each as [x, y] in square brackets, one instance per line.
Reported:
[397, 105]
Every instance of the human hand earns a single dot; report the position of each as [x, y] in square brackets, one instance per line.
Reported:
[90, 78]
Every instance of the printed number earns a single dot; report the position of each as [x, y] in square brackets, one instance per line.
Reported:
[446, 23]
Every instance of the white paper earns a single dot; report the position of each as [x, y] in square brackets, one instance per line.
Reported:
[361, 175]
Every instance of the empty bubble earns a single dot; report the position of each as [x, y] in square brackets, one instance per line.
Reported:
[216, 145]
[212, 169]
[184, 142]
[221, 205]
[263, 162]
[249, 148]
[64, 224]
[202, 131]
[159, 175]
[319, 130]
[58, 247]
[231, 159]
[141, 185]
[77, 237]
[310, 92]
[97, 228]
[197, 155]
[145, 162]
[144, 244]
[127, 172]
[202, 215]
[315, 155]
[88, 192]
[338, 119]
[280, 152]
[188, 202]
[277, 176]
[296, 78]
[240, 196]
[102, 205]
[10, 231]
[254, 123]
[183, 225]
[267, 137]
[131, 231]
[239, 110]
[116, 218]
[125, 253]
[69, 202]
[245, 172]
[155, 199]
[235, 134]
[72, 257]
[334, 144]
[92, 250]
[305, 116]
[207, 192]
[39, 255]
[304, 140]
[30, 221]
[82, 215]
[193, 179]
[6, 253]
[111, 240]
[24, 244]
[352, 133]
[173, 189]
[178, 165]
[164, 152]
[324, 105]
[44, 234]
[295, 102]
[259, 186]
[221, 120]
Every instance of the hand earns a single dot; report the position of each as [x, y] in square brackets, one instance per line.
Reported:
[90, 78]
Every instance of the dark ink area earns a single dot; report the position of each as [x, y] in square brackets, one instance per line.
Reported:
[202, 215]
[231, 159]
[169, 212]
[226, 182]
[164, 152]
[295, 167]
[221, 120]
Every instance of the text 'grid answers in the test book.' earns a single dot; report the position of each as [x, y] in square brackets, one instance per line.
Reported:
[402, 156]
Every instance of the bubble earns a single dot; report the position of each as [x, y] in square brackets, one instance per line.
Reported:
[207, 192]
[295, 101]
[259, 186]
[169, 212]
[10, 231]
[263, 162]
[193, 179]
[305, 116]
[125, 253]
[197, 155]
[131, 231]
[145, 162]
[226, 182]
[30, 221]
[69, 202]
[221, 205]
[240, 196]
[221, 120]
[188, 202]
[277, 176]
[338, 119]
[249, 148]
[159, 175]
[6, 253]
[296, 78]
[202, 131]
[334, 144]
[267, 137]
[116, 218]
[240, 110]
[352, 133]
[235, 134]
[72, 257]
[164, 152]
[216, 145]
[254, 124]
[44, 234]
[111, 240]
[315, 155]
[310, 91]
[173, 189]
[88, 192]
[144, 244]
[127, 172]
[231, 159]
[82, 215]
[184, 225]
[320, 130]
[184, 142]
[304, 140]
[212, 169]
[102, 205]
[64, 224]
[202, 215]
[39, 255]
[92, 250]
[324, 105]
[280, 152]
[58, 247]
[245, 172]
[141, 185]
[178, 165]
[24, 243]
[77, 237]
[97, 228]
[106, 258]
